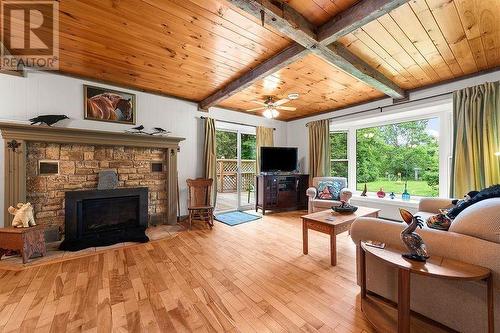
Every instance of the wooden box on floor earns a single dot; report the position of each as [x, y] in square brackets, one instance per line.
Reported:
[28, 241]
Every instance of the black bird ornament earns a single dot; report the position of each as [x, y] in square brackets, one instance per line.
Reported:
[136, 130]
[48, 120]
[160, 131]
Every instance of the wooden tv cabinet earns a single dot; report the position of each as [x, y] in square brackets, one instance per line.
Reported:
[281, 192]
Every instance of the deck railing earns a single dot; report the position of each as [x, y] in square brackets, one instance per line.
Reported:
[227, 175]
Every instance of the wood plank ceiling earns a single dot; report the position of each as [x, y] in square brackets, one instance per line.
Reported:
[319, 12]
[321, 87]
[182, 48]
[425, 42]
[193, 48]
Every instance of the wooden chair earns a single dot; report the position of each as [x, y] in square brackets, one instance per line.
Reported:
[199, 201]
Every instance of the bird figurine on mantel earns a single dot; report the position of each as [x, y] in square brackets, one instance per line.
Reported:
[136, 130]
[48, 120]
[160, 131]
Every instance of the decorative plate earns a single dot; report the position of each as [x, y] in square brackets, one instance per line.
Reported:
[345, 209]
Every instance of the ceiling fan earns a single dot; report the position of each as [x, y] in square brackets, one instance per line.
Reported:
[271, 107]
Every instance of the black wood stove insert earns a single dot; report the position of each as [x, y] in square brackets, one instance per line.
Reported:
[105, 217]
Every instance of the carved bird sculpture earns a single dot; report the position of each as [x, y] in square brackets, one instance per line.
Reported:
[413, 242]
[137, 129]
[160, 131]
[48, 120]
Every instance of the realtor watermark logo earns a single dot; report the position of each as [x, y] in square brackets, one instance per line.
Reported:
[29, 35]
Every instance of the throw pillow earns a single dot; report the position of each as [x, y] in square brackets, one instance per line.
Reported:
[439, 222]
[481, 220]
[329, 190]
[490, 192]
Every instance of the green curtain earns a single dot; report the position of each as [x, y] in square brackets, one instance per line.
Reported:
[319, 149]
[265, 138]
[476, 131]
[210, 156]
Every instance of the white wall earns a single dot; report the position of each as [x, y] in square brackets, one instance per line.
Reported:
[47, 93]
[297, 133]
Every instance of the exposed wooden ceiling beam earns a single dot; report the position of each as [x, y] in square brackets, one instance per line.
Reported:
[281, 17]
[293, 25]
[355, 17]
[337, 55]
[268, 67]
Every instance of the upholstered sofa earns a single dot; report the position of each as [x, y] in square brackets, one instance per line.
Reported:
[315, 204]
[474, 237]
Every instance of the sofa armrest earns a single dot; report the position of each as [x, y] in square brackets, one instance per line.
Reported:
[432, 205]
[368, 228]
[312, 192]
[447, 244]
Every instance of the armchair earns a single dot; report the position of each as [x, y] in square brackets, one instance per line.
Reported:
[315, 204]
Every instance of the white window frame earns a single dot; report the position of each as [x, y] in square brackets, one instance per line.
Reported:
[342, 159]
[440, 109]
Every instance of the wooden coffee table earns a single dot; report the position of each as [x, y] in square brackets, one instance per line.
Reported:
[319, 221]
[436, 267]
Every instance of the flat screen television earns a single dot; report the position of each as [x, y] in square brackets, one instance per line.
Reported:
[278, 159]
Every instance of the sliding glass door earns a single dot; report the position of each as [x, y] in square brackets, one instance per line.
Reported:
[248, 169]
[235, 169]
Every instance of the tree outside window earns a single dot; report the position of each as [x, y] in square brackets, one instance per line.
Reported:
[226, 145]
[339, 164]
[388, 156]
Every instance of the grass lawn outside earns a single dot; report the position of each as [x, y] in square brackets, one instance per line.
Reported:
[415, 188]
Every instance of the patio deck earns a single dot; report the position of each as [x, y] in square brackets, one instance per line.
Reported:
[229, 200]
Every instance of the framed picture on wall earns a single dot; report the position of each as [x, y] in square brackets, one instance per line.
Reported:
[103, 104]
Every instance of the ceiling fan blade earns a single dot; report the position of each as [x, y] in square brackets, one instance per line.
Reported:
[257, 109]
[281, 101]
[286, 108]
[259, 102]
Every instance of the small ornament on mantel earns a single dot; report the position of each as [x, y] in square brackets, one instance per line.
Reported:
[136, 130]
[48, 119]
[392, 195]
[381, 193]
[363, 194]
[160, 131]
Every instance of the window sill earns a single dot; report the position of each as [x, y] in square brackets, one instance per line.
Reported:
[413, 203]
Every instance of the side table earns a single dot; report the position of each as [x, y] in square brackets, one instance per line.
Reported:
[26, 240]
[438, 267]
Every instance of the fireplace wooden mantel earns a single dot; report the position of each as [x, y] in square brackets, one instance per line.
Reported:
[17, 136]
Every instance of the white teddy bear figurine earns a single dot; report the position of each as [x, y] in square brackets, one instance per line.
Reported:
[23, 215]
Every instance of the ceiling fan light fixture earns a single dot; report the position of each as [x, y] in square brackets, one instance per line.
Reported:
[268, 114]
[271, 113]
[293, 96]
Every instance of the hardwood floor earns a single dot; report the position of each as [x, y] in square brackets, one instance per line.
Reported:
[249, 278]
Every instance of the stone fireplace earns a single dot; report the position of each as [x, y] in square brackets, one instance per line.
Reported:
[75, 157]
[105, 217]
[79, 166]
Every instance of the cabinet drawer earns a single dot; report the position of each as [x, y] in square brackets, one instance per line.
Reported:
[327, 229]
